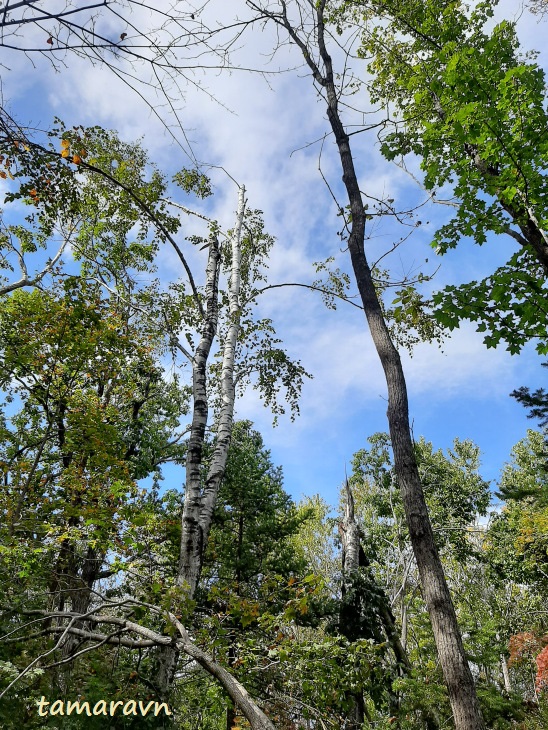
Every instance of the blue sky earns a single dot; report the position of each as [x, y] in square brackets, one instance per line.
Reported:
[260, 133]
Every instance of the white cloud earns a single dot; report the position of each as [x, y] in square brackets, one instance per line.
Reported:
[256, 141]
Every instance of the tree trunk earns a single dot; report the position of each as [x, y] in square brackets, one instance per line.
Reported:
[199, 504]
[236, 691]
[505, 674]
[456, 671]
[350, 539]
[200, 501]
[192, 543]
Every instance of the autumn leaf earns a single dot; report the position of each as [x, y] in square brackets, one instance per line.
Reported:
[50, 41]
[76, 159]
[123, 36]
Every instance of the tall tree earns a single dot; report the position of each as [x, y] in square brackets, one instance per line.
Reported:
[307, 31]
[249, 548]
[473, 109]
[73, 182]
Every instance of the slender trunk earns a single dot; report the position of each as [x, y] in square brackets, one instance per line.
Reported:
[350, 538]
[192, 542]
[228, 391]
[456, 671]
[199, 502]
[404, 623]
[505, 674]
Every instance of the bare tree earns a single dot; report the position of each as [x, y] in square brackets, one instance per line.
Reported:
[169, 40]
[306, 29]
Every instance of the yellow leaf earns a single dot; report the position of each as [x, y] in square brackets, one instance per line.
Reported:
[65, 153]
[65, 144]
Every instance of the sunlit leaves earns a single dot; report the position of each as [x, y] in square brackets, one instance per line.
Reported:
[474, 112]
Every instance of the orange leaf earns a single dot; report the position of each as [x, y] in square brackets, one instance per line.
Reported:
[76, 159]
[65, 153]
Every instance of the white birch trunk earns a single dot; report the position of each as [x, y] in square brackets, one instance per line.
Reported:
[505, 674]
[228, 390]
[350, 535]
[191, 547]
[199, 505]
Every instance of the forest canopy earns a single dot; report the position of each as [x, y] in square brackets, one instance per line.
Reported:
[161, 563]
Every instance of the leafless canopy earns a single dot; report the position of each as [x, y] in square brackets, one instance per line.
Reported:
[155, 47]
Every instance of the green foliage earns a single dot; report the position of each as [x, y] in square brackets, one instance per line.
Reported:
[510, 305]
[86, 186]
[254, 518]
[499, 711]
[90, 413]
[518, 536]
[454, 490]
[537, 402]
[193, 181]
[474, 112]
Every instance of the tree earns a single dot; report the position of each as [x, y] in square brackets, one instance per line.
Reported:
[124, 36]
[73, 182]
[457, 496]
[521, 525]
[308, 32]
[249, 556]
[515, 547]
[536, 402]
[473, 111]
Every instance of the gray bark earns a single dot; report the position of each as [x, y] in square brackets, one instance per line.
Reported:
[457, 675]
